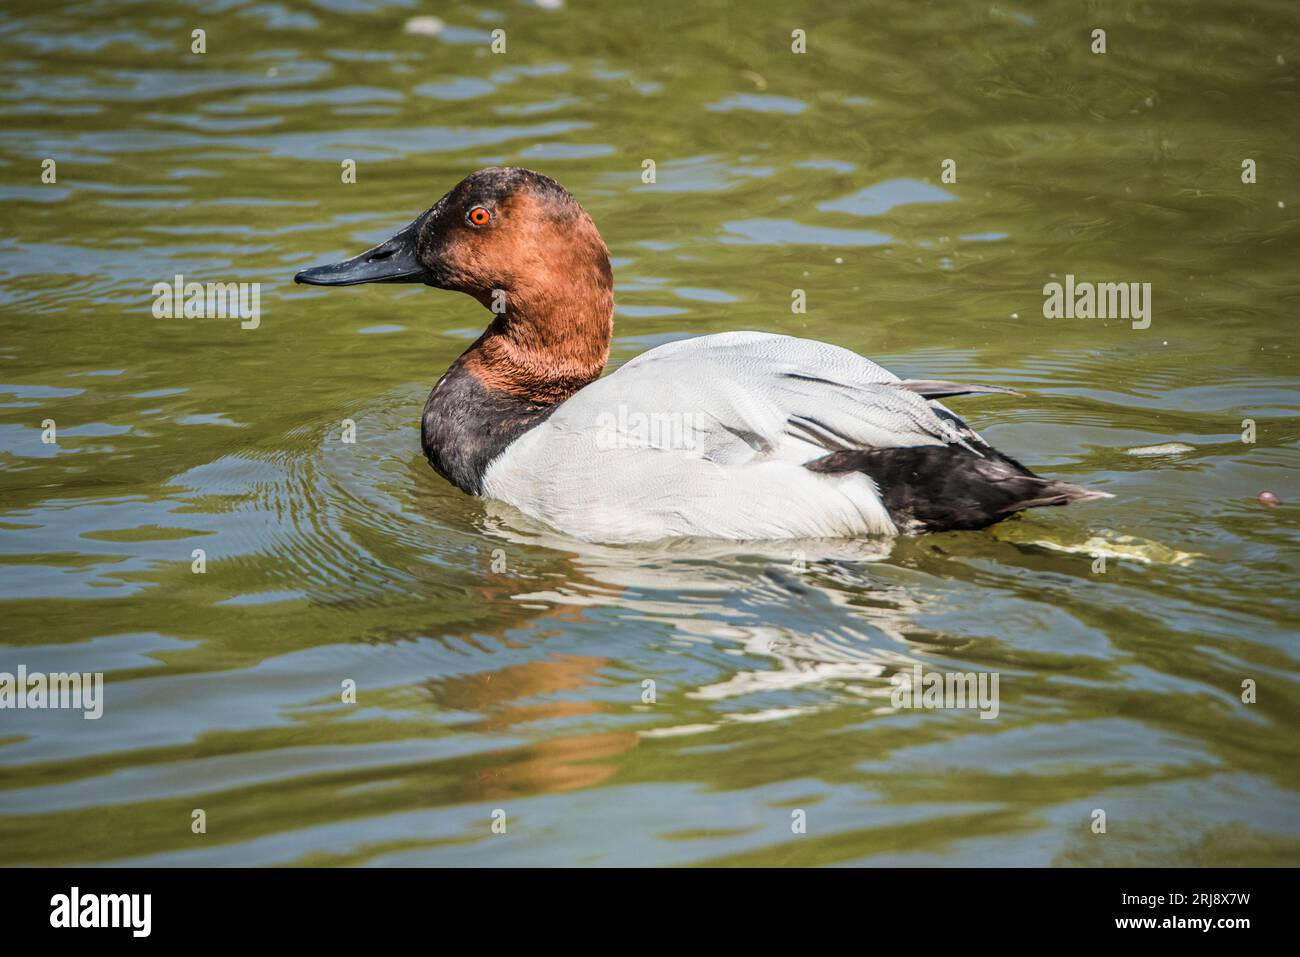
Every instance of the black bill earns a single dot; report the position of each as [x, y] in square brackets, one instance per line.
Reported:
[394, 260]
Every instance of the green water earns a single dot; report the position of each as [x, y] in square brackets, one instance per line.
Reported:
[500, 667]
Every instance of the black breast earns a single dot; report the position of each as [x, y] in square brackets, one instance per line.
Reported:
[466, 425]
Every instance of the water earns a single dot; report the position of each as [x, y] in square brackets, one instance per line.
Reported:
[501, 667]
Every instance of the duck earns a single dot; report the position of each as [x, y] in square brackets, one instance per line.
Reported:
[743, 436]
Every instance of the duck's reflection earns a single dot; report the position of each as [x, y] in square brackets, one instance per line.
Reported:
[550, 765]
[779, 601]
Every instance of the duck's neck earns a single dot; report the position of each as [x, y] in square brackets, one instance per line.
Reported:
[548, 343]
[542, 349]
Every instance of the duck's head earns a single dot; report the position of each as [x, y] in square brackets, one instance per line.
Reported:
[520, 244]
[502, 228]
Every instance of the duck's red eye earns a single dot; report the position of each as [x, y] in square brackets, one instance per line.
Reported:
[479, 216]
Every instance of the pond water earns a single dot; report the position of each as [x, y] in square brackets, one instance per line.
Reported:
[687, 702]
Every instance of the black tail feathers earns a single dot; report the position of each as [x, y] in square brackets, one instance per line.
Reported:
[947, 487]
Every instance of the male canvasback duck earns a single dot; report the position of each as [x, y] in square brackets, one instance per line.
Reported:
[742, 435]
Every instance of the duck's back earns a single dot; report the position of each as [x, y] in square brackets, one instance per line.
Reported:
[713, 437]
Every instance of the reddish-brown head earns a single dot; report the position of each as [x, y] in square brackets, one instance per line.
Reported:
[520, 244]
